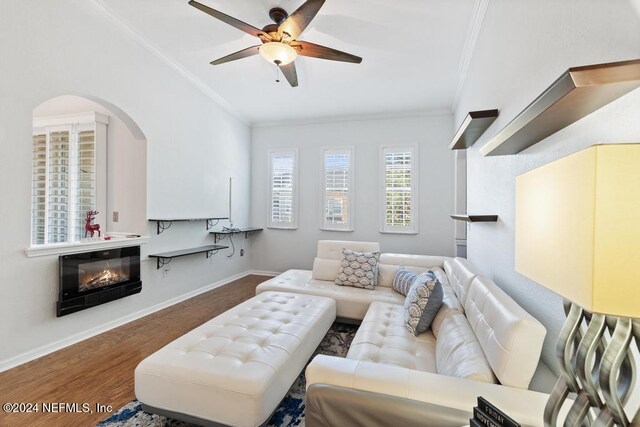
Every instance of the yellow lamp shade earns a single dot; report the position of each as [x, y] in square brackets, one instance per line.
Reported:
[278, 53]
[578, 228]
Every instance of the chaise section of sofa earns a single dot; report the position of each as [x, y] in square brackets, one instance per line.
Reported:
[351, 303]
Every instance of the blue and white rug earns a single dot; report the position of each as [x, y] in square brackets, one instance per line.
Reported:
[289, 413]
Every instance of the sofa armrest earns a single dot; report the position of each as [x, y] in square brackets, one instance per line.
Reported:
[457, 394]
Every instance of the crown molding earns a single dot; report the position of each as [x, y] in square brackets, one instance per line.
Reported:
[479, 13]
[352, 118]
[183, 72]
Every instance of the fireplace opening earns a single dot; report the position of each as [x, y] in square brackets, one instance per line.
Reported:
[99, 274]
[93, 278]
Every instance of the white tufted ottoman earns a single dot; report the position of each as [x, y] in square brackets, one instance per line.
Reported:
[236, 368]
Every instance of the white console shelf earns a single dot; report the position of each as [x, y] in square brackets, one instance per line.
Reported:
[116, 241]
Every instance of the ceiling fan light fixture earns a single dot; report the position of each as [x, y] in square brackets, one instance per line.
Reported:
[278, 53]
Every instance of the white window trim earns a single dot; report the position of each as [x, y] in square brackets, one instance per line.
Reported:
[349, 227]
[296, 167]
[67, 119]
[384, 228]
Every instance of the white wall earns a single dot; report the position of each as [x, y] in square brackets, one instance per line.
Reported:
[193, 145]
[519, 53]
[279, 250]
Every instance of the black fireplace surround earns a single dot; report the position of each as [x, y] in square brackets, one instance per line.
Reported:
[93, 278]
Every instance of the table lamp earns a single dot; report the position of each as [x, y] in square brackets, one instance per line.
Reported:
[578, 234]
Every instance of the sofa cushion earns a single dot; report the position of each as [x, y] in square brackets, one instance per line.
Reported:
[389, 263]
[460, 273]
[351, 303]
[510, 337]
[458, 352]
[403, 280]
[422, 303]
[329, 254]
[450, 303]
[383, 338]
[325, 269]
[358, 269]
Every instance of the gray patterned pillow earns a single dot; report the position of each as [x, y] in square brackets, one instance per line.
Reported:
[423, 301]
[359, 269]
[402, 280]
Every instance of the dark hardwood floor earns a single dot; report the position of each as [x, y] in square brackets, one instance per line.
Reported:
[99, 370]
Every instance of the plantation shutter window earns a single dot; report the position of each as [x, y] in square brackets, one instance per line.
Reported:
[39, 191]
[283, 189]
[58, 187]
[337, 189]
[68, 171]
[399, 189]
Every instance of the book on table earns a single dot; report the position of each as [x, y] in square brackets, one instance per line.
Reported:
[484, 419]
[488, 415]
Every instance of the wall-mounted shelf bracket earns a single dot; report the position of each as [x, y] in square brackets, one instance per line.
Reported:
[162, 225]
[222, 234]
[161, 262]
[212, 222]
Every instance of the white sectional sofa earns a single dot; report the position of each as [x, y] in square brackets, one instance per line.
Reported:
[481, 343]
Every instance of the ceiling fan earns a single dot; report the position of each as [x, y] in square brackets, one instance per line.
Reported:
[280, 44]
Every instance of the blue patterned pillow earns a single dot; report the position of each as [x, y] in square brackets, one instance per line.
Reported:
[423, 301]
[359, 269]
[403, 280]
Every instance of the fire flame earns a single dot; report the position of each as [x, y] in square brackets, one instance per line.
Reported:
[105, 278]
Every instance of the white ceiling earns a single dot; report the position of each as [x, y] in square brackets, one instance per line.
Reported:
[412, 50]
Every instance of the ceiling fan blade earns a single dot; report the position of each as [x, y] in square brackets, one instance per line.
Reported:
[316, 51]
[295, 24]
[244, 53]
[289, 72]
[243, 26]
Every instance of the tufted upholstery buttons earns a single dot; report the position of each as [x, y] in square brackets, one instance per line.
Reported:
[383, 338]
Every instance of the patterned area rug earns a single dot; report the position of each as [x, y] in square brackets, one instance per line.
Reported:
[289, 413]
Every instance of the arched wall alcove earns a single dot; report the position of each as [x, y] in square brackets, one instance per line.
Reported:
[125, 164]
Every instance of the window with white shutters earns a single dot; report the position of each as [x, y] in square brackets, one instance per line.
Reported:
[39, 190]
[399, 189]
[337, 189]
[283, 189]
[65, 177]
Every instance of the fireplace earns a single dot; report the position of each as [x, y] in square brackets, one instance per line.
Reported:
[93, 278]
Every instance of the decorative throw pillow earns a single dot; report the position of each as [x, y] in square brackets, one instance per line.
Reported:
[359, 269]
[402, 280]
[423, 301]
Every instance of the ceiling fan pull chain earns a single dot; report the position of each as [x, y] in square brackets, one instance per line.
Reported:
[277, 72]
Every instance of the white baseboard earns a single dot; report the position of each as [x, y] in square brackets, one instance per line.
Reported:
[263, 273]
[74, 339]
